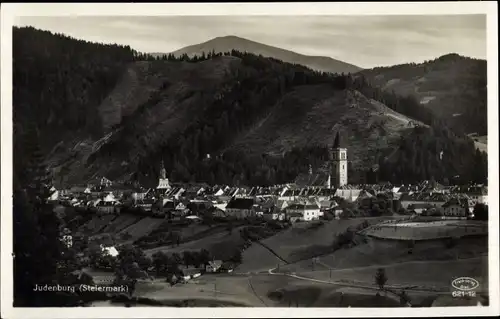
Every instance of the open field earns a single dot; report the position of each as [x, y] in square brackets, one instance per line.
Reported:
[143, 227]
[97, 223]
[292, 243]
[220, 244]
[437, 275]
[427, 230]
[260, 291]
[120, 223]
[384, 252]
[216, 288]
[257, 259]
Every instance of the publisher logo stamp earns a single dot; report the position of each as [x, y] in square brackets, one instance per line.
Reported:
[464, 287]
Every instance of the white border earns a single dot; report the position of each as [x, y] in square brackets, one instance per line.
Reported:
[9, 11]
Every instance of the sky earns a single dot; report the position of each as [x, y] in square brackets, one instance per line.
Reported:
[365, 41]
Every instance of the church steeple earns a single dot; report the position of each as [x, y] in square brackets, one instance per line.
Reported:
[163, 180]
[163, 172]
[338, 162]
[337, 141]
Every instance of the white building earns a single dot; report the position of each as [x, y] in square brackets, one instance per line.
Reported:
[308, 211]
[339, 163]
[163, 182]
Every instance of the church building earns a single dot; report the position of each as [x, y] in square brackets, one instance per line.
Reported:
[338, 163]
[163, 180]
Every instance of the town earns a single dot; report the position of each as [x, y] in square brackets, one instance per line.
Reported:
[102, 218]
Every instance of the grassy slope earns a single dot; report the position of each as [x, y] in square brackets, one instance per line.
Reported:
[290, 243]
[220, 244]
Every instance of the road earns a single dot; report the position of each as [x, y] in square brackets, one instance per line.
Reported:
[338, 283]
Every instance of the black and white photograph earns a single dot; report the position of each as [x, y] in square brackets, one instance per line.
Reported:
[270, 156]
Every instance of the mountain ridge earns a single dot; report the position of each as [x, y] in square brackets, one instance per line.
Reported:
[227, 43]
[262, 120]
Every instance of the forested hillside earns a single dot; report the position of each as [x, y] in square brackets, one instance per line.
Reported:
[452, 86]
[220, 118]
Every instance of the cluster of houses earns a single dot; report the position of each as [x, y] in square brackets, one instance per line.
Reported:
[291, 202]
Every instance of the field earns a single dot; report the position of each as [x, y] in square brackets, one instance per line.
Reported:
[143, 227]
[427, 275]
[427, 230]
[120, 223]
[222, 244]
[257, 259]
[302, 240]
[97, 223]
[260, 291]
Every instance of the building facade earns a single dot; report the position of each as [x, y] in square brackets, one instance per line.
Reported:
[338, 163]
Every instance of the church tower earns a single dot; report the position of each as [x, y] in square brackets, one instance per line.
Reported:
[339, 163]
[163, 180]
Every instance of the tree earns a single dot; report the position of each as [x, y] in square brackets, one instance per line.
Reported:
[237, 257]
[187, 257]
[40, 256]
[205, 256]
[160, 262]
[480, 212]
[380, 278]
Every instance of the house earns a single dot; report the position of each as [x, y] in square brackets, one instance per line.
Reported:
[419, 208]
[175, 192]
[140, 194]
[337, 212]
[100, 278]
[477, 194]
[308, 211]
[146, 204]
[294, 217]
[80, 190]
[435, 200]
[109, 250]
[456, 207]
[109, 198]
[241, 208]
[274, 215]
[107, 207]
[348, 193]
[220, 204]
[67, 239]
[227, 267]
[193, 218]
[213, 266]
[54, 194]
[189, 273]
[232, 192]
